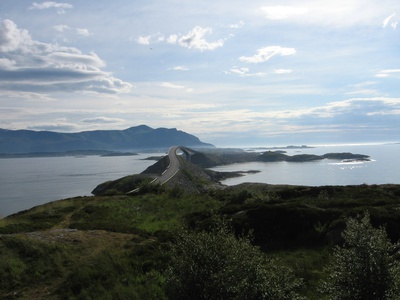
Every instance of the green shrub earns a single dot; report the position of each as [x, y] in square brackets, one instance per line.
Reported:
[363, 269]
[217, 265]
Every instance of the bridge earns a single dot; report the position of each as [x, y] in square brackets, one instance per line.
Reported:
[174, 164]
[173, 167]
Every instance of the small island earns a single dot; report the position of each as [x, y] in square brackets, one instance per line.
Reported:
[119, 154]
[270, 156]
[290, 147]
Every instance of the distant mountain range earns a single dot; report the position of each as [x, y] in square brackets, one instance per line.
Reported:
[135, 138]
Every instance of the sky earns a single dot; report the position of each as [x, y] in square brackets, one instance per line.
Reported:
[231, 72]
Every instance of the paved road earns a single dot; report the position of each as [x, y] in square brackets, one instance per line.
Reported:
[173, 167]
[171, 171]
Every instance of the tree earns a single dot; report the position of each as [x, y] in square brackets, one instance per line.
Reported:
[217, 265]
[363, 269]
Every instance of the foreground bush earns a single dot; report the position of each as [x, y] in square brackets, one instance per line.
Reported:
[364, 269]
[217, 265]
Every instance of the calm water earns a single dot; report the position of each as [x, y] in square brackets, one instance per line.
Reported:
[27, 182]
[384, 167]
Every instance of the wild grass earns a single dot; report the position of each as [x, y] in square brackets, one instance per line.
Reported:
[40, 217]
[26, 261]
[149, 212]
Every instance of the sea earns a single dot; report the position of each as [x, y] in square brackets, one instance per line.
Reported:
[28, 182]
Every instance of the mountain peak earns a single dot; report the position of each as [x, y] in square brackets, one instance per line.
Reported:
[138, 129]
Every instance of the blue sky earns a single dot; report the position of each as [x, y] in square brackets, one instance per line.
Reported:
[230, 72]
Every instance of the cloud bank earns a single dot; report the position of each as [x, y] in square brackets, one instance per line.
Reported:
[32, 66]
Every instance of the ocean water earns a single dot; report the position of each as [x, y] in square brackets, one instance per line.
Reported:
[384, 167]
[28, 182]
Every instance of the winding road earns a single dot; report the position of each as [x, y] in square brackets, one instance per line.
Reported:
[170, 172]
[172, 169]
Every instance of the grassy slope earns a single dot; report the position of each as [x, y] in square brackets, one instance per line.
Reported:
[115, 247]
[77, 247]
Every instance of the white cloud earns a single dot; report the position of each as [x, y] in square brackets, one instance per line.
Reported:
[49, 4]
[237, 25]
[144, 40]
[102, 120]
[339, 13]
[12, 38]
[80, 31]
[58, 127]
[351, 107]
[359, 106]
[195, 40]
[89, 61]
[385, 113]
[363, 92]
[7, 64]
[363, 88]
[244, 72]
[31, 66]
[282, 71]
[61, 28]
[282, 12]
[388, 73]
[172, 39]
[382, 75]
[26, 95]
[239, 71]
[83, 32]
[180, 68]
[171, 85]
[387, 20]
[150, 39]
[266, 53]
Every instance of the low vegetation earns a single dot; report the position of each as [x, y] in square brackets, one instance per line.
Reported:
[364, 268]
[216, 264]
[167, 242]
